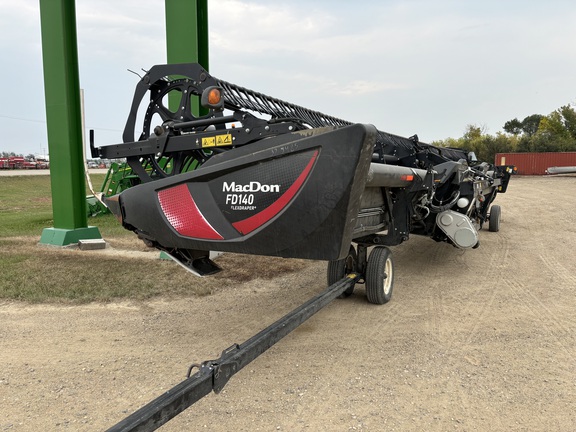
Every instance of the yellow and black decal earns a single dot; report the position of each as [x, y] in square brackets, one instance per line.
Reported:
[217, 140]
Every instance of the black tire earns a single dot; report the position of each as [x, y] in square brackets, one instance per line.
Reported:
[380, 276]
[340, 268]
[494, 219]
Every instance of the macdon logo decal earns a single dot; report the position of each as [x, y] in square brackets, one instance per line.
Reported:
[253, 186]
[242, 197]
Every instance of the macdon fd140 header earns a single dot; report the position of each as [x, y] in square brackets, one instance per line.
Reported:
[258, 175]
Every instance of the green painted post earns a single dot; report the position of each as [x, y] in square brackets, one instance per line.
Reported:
[62, 94]
[187, 38]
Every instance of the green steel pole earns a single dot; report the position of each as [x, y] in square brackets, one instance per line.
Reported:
[187, 38]
[62, 95]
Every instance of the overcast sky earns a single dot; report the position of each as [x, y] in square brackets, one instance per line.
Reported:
[414, 66]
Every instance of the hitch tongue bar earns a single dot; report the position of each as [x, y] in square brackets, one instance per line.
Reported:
[214, 374]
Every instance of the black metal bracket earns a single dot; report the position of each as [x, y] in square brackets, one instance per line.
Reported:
[213, 375]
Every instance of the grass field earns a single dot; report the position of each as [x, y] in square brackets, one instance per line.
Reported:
[26, 207]
[127, 269]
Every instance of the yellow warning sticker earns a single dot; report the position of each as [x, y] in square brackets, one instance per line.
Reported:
[217, 141]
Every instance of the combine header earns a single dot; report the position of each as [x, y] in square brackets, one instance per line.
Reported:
[298, 184]
[273, 178]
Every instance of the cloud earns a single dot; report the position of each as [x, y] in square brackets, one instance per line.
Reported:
[132, 34]
[356, 87]
[263, 28]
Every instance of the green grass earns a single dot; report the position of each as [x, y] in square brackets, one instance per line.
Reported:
[126, 270]
[36, 273]
[26, 207]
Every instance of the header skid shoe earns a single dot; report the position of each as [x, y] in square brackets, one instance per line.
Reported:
[296, 195]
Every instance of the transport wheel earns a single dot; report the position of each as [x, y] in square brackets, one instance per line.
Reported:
[380, 276]
[340, 268]
[494, 219]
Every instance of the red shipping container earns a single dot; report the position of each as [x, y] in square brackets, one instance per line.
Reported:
[536, 163]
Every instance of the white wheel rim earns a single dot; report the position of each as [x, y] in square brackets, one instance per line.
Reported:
[388, 279]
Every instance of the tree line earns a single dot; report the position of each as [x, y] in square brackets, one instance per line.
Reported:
[555, 132]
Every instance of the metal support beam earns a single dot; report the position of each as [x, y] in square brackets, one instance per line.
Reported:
[187, 39]
[62, 94]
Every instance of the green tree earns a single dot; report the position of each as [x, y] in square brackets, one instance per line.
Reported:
[484, 145]
[472, 133]
[536, 133]
[569, 119]
[531, 123]
[552, 126]
[500, 143]
[513, 126]
[524, 144]
[553, 134]
[448, 142]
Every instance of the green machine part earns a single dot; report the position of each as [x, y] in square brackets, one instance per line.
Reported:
[121, 177]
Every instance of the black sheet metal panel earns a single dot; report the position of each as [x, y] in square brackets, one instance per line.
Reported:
[296, 195]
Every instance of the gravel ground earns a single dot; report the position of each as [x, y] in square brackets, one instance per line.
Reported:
[483, 340]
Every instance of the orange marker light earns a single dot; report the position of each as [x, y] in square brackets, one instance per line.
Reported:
[214, 96]
[407, 177]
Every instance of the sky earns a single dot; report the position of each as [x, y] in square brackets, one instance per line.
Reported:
[409, 67]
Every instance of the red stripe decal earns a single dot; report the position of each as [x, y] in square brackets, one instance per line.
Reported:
[250, 224]
[183, 214]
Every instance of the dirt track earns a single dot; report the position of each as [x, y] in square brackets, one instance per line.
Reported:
[477, 340]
